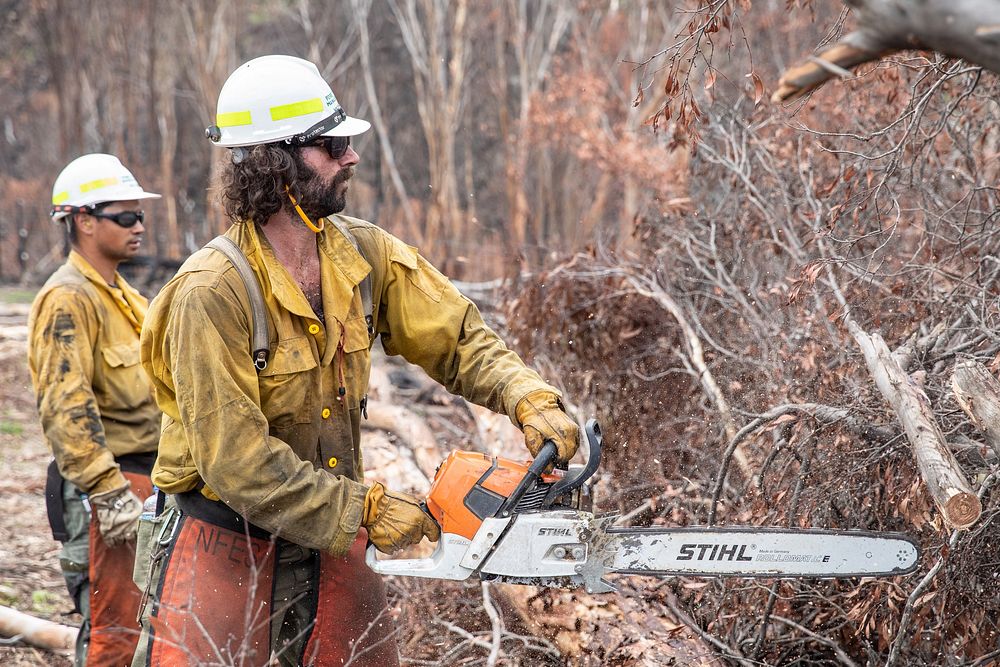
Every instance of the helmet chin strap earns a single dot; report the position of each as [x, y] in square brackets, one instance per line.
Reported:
[302, 214]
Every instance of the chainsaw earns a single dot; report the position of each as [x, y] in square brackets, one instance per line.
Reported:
[513, 522]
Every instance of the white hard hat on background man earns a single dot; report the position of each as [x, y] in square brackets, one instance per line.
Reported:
[279, 98]
[94, 179]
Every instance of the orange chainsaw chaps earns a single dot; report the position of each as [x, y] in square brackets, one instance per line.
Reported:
[354, 624]
[215, 598]
[114, 599]
[459, 474]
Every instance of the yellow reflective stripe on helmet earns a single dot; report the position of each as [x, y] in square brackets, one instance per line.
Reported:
[297, 109]
[60, 197]
[233, 119]
[98, 184]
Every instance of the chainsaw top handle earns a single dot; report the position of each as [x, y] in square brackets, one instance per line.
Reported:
[546, 456]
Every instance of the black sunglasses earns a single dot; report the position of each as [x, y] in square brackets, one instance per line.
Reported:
[336, 147]
[124, 219]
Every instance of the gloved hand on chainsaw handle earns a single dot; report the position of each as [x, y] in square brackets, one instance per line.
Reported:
[395, 520]
[542, 418]
[118, 513]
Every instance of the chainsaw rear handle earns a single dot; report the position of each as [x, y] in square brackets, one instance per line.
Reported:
[444, 563]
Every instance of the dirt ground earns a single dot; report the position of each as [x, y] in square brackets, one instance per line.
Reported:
[30, 580]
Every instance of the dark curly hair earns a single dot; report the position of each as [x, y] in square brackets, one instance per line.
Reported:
[253, 189]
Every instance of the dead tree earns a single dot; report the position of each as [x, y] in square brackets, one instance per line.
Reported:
[436, 36]
[360, 12]
[968, 29]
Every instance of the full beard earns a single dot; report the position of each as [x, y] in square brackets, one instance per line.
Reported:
[319, 199]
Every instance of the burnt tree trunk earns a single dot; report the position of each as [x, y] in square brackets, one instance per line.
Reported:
[968, 29]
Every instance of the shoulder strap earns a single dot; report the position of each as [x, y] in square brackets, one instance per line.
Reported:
[366, 284]
[261, 344]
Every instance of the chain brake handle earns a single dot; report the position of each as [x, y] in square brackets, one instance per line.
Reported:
[568, 484]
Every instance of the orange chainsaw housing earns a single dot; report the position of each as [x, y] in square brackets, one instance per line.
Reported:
[469, 487]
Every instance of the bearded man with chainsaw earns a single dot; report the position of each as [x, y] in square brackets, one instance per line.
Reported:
[260, 447]
[95, 402]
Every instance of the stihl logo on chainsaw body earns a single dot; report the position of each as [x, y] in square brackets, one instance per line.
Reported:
[713, 552]
[564, 532]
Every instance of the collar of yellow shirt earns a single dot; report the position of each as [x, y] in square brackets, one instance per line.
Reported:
[342, 268]
[129, 301]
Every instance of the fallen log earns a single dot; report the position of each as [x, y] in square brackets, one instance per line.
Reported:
[942, 476]
[36, 631]
[410, 428]
[978, 394]
[497, 435]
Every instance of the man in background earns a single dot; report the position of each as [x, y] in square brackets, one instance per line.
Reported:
[94, 401]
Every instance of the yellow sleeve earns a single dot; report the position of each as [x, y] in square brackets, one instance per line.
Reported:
[62, 359]
[425, 319]
[218, 407]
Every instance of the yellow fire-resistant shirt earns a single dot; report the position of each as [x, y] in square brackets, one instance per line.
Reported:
[94, 400]
[280, 447]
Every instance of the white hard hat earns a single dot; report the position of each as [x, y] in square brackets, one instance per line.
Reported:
[279, 98]
[94, 179]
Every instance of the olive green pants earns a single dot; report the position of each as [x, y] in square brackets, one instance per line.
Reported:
[74, 560]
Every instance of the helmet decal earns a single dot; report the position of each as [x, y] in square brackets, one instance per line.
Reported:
[296, 109]
[233, 119]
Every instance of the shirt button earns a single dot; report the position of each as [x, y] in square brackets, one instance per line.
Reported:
[326, 413]
[332, 462]
[314, 329]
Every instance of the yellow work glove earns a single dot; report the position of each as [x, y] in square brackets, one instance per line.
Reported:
[118, 513]
[395, 520]
[542, 418]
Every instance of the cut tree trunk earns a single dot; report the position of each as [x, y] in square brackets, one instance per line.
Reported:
[411, 429]
[968, 29]
[978, 394]
[941, 474]
[36, 631]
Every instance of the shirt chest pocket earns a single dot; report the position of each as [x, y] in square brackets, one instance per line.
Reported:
[357, 359]
[289, 386]
[126, 385]
[419, 272]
